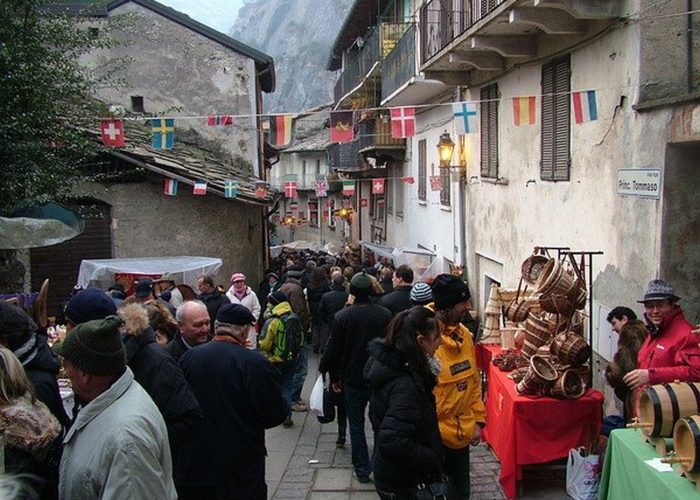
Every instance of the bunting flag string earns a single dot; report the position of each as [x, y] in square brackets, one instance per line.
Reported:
[342, 126]
[465, 118]
[321, 188]
[113, 133]
[290, 189]
[260, 190]
[162, 133]
[230, 189]
[377, 186]
[170, 188]
[585, 106]
[219, 120]
[403, 122]
[281, 127]
[199, 188]
[435, 183]
[348, 188]
[524, 110]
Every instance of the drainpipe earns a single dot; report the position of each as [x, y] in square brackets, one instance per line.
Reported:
[463, 221]
[689, 45]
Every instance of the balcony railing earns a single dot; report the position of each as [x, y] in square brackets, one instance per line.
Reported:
[441, 21]
[399, 66]
[377, 133]
[371, 135]
[358, 67]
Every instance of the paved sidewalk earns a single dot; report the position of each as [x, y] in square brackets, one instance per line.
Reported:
[304, 463]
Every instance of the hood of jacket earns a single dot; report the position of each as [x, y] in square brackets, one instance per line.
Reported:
[45, 359]
[281, 309]
[135, 319]
[384, 364]
[208, 297]
[29, 426]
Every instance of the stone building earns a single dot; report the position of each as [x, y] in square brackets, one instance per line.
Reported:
[181, 69]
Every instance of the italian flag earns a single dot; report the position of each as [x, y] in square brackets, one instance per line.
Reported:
[348, 188]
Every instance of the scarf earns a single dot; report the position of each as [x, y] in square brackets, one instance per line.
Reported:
[230, 339]
[240, 295]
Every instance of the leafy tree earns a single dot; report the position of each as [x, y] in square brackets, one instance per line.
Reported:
[45, 96]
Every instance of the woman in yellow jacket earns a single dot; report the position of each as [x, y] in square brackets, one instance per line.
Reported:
[461, 413]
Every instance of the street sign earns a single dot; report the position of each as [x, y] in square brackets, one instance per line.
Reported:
[640, 182]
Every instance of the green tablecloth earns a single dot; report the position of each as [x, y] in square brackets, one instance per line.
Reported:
[626, 476]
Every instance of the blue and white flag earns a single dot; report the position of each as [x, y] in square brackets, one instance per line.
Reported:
[465, 117]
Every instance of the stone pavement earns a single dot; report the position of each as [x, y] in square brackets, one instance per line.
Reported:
[304, 463]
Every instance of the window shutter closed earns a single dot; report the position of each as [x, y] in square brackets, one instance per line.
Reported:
[422, 170]
[489, 131]
[556, 119]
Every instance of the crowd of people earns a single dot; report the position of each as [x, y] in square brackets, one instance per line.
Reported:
[176, 405]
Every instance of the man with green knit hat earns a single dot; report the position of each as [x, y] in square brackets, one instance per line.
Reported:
[118, 444]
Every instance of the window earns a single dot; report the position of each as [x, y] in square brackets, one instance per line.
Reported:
[303, 174]
[330, 208]
[137, 104]
[398, 197]
[389, 193]
[313, 212]
[422, 170]
[555, 162]
[489, 131]
[445, 187]
[378, 208]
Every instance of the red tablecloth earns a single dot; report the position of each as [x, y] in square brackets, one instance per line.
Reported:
[484, 355]
[523, 430]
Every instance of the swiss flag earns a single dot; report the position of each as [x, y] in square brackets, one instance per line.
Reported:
[377, 186]
[113, 133]
[403, 122]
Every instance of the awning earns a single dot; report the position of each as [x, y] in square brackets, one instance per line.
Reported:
[185, 269]
[41, 226]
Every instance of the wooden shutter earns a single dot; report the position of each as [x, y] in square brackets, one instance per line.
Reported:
[556, 121]
[489, 131]
[445, 198]
[422, 169]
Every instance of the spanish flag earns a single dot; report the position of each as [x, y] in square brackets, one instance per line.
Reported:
[281, 130]
[524, 110]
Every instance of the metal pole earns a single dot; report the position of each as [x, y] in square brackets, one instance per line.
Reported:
[463, 221]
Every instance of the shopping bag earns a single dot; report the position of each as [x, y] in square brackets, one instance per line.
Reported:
[582, 475]
[316, 398]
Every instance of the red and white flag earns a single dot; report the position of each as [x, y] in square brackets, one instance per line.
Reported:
[290, 189]
[200, 188]
[408, 179]
[403, 122]
[219, 120]
[113, 133]
[435, 183]
[260, 190]
[321, 188]
[170, 187]
[377, 186]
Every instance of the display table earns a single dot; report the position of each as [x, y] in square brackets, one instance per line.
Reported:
[523, 431]
[626, 476]
[484, 355]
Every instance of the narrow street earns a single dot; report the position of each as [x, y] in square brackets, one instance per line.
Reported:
[304, 462]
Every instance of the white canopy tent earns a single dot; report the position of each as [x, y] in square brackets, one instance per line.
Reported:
[425, 263]
[185, 269]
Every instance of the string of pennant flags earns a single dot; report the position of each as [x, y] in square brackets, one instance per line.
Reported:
[280, 130]
[403, 121]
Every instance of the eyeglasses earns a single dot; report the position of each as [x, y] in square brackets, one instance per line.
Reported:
[238, 281]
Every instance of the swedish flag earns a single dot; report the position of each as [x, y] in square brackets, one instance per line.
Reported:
[230, 189]
[163, 133]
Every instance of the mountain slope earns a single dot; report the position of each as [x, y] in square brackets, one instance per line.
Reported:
[298, 34]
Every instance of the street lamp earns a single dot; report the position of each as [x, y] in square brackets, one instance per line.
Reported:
[446, 147]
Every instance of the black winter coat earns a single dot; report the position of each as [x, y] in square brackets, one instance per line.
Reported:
[398, 300]
[331, 303]
[162, 378]
[240, 394]
[177, 347]
[351, 332]
[42, 371]
[403, 416]
[314, 297]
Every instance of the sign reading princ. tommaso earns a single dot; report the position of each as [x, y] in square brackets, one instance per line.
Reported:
[641, 182]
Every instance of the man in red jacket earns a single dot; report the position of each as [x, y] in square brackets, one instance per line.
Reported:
[671, 351]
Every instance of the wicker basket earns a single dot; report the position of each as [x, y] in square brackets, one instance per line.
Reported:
[531, 267]
[540, 375]
[570, 385]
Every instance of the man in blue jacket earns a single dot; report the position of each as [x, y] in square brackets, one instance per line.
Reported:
[239, 393]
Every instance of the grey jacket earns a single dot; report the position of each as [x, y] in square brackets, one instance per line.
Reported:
[117, 448]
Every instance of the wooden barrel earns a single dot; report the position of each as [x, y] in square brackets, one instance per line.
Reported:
[538, 333]
[571, 349]
[686, 443]
[540, 374]
[661, 406]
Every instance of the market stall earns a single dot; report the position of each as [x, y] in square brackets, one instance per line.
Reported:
[184, 269]
[523, 430]
[630, 471]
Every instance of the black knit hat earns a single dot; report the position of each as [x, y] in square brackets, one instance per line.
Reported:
[15, 325]
[449, 291]
[278, 297]
[95, 347]
[89, 304]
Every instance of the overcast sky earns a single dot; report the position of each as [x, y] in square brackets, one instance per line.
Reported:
[218, 14]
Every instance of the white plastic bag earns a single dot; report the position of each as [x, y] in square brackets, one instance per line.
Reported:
[316, 398]
[582, 475]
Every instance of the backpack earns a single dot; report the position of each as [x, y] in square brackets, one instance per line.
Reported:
[290, 337]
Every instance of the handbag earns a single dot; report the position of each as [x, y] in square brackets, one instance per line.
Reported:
[436, 490]
[328, 414]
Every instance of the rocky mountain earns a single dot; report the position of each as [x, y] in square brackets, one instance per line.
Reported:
[299, 35]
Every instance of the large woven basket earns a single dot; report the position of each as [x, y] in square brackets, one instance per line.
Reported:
[531, 267]
[570, 349]
[540, 375]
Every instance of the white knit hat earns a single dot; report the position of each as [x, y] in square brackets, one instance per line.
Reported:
[421, 294]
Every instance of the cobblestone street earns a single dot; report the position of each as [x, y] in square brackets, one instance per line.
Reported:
[304, 462]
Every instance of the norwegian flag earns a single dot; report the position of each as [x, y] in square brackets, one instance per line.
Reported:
[113, 133]
[290, 189]
[170, 187]
[403, 122]
[435, 183]
[377, 186]
[200, 188]
[219, 120]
